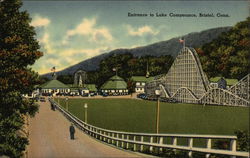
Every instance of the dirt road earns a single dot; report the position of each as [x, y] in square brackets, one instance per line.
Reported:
[49, 137]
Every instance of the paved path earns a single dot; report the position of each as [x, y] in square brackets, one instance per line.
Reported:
[49, 138]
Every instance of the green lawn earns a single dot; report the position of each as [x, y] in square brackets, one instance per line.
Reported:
[139, 116]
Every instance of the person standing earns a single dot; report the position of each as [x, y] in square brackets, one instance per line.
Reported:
[72, 131]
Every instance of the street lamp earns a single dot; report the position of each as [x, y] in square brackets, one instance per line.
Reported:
[67, 103]
[86, 108]
[157, 93]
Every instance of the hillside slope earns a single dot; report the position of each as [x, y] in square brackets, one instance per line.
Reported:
[169, 47]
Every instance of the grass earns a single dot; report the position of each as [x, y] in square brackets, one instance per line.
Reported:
[229, 81]
[140, 116]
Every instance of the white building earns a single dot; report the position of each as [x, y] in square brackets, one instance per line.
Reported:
[140, 82]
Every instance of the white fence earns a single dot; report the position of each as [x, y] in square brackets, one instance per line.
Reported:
[139, 141]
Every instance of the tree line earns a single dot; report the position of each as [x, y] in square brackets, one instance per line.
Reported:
[126, 66]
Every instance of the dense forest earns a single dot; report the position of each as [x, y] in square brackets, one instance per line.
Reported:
[228, 55]
[126, 66]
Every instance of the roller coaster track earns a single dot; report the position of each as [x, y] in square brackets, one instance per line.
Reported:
[203, 76]
[186, 71]
[167, 95]
[220, 96]
[242, 88]
[215, 96]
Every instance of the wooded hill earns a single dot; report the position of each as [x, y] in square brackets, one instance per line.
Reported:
[228, 55]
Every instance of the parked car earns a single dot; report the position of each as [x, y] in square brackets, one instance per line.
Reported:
[142, 96]
[92, 94]
[85, 95]
[104, 94]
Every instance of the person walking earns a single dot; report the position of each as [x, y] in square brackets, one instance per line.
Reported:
[52, 106]
[72, 131]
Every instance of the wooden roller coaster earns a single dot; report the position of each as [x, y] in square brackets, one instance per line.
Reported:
[186, 82]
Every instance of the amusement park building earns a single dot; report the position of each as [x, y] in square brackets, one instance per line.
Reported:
[115, 86]
[54, 86]
[186, 82]
[140, 82]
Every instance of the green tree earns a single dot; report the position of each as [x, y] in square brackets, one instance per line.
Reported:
[229, 54]
[18, 50]
[42, 80]
[66, 79]
[128, 65]
[131, 86]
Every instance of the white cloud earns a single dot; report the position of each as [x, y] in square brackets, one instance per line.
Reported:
[67, 58]
[39, 21]
[46, 43]
[87, 53]
[71, 55]
[88, 28]
[42, 69]
[141, 30]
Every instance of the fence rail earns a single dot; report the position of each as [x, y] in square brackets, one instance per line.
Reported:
[139, 141]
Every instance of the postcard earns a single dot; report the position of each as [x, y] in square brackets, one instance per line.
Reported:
[113, 78]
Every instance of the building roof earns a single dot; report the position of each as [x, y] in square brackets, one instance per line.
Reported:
[53, 84]
[115, 82]
[142, 79]
[230, 82]
[91, 87]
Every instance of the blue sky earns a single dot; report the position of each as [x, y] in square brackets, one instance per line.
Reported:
[73, 31]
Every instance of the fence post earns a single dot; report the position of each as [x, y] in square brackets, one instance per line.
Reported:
[233, 146]
[104, 138]
[113, 136]
[209, 145]
[142, 140]
[95, 133]
[127, 145]
[161, 142]
[123, 141]
[117, 142]
[87, 129]
[100, 135]
[91, 129]
[151, 142]
[174, 143]
[190, 145]
[109, 138]
[134, 143]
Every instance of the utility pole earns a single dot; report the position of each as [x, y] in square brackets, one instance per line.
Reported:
[86, 112]
[67, 103]
[157, 93]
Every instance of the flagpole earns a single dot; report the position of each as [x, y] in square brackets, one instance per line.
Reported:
[184, 44]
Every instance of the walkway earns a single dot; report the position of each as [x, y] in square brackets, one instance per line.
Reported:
[49, 137]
